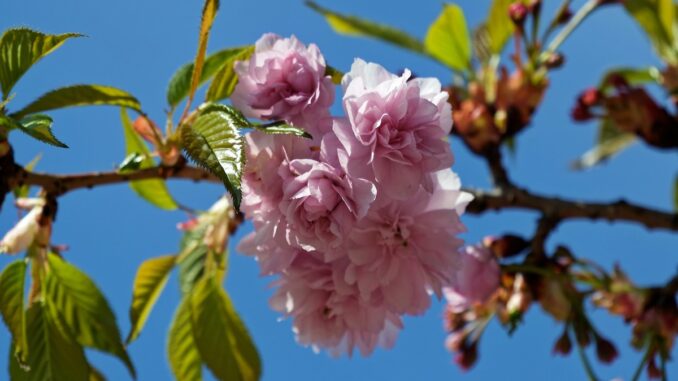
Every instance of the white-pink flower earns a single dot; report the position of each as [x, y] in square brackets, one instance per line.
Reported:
[475, 279]
[398, 126]
[284, 79]
[21, 236]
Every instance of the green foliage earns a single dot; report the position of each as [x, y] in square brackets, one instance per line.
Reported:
[658, 19]
[151, 279]
[282, 128]
[152, 190]
[356, 26]
[12, 282]
[39, 126]
[180, 84]
[192, 255]
[54, 355]
[221, 338]
[20, 48]
[209, 12]
[499, 26]
[182, 351]
[610, 142]
[448, 40]
[336, 75]
[74, 297]
[213, 141]
[79, 95]
[224, 81]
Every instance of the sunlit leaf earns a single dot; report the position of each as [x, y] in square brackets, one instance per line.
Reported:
[213, 141]
[79, 95]
[356, 26]
[151, 279]
[499, 25]
[152, 190]
[20, 48]
[192, 254]
[53, 354]
[657, 18]
[12, 282]
[448, 39]
[182, 351]
[84, 309]
[39, 126]
[611, 141]
[209, 12]
[282, 128]
[22, 191]
[180, 84]
[222, 340]
[224, 81]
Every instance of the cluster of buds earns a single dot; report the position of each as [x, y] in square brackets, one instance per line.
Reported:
[652, 312]
[214, 226]
[485, 116]
[630, 109]
[166, 148]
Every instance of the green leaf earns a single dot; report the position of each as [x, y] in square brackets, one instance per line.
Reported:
[20, 48]
[39, 126]
[214, 142]
[336, 75]
[499, 25]
[151, 279]
[131, 162]
[80, 95]
[448, 40]
[656, 18]
[356, 26]
[224, 81]
[209, 12]
[183, 354]
[282, 128]
[180, 84]
[152, 190]
[22, 191]
[53, 355]
[95, 374]
[611, 141]
[12, 282]
[635, 76]
[222, 340]
[84, 309]
[193, 252]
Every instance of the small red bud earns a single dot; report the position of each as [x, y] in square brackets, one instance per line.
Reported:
[590, 97]
[564, 16]
[518, 13]
[535, 7]
[555, 60]
[506, 246]
[605, 350]
[467, 356]
[564, 345]
[581, 113]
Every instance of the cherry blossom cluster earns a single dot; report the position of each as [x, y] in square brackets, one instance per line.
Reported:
[359, 223]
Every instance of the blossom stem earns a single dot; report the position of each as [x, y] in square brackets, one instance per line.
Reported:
[576, 20]
[639, 369]
[587, 364]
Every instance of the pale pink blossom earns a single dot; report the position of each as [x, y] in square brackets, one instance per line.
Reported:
[284, 79]
[398, 126]
[475, 280]
[22, 235]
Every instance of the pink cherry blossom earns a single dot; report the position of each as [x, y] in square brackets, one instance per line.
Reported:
[475, 279]
[398, 126]
[284, 79]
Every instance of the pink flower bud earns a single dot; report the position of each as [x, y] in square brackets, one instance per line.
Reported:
[518, 12]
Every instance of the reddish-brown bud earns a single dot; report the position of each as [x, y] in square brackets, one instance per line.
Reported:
[653, 372]
[564, 345]
[506, 246]
[467, 356]
[605, 350]
[535, 7]
[590, 97]
[518, 12]
[581, 113]
[564, 16]
[555, 60]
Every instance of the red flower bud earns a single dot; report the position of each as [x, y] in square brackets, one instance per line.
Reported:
[518, 13]
[506, 246]
[564, 16]
[564, 345]
[555, 60]
[581, 113]
[590, 97]
[605, 350]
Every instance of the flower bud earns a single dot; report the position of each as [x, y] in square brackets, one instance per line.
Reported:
[563, 345]
[555, 60]
[518, 12]
[20, 237]
[535, 7]
[506, 246]
[564, 16]
[147, 129]
[605, 350]
[467, 356]
[590, 97]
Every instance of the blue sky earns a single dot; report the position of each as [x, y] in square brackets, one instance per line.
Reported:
[137, 45]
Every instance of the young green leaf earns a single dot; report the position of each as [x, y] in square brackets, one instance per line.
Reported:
[356, 26]
[180, 84]
[152, 190]
[22, 191]
[611, 141]
[20, 48]
[39, 126]
[54, 355]
[222, 340]
[224, 81]
[209, 12]
[84, 309]
[151, 279]
[182, 351]
[448, 40]
[214, 142]
[193, 252]
[12, 282]
[79, 95]
[95, 374]
[499, 25]
[656, 18]
[282, 128]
